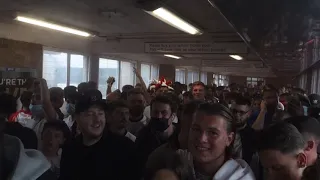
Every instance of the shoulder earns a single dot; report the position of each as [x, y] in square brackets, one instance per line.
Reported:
[48, 175]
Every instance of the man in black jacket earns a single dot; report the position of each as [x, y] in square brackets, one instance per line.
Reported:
[96, 154]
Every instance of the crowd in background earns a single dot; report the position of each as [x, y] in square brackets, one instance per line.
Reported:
[160, 131]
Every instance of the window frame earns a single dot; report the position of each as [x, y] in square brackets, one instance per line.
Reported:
[86, 60]
[151, 78]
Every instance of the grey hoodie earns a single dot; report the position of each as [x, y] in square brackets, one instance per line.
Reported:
[29, 164]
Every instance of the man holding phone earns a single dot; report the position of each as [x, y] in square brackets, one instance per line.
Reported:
[268, 108]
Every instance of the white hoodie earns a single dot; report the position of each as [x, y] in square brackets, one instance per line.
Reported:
[29, 164]
[230, 170]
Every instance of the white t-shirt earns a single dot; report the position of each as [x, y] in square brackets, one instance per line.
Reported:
[135, 127]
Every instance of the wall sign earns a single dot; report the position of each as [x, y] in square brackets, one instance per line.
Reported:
[13, 79]
[196, 48]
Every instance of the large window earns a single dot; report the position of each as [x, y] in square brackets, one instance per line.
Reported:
[181, 76]
[223, 80]
[78, 69]
[253, 81]
[193, 76]
[108, 68]
[204, 77]
[62, 69]
[127, 76]
[314, 81]
[220, 80]
[149, 73]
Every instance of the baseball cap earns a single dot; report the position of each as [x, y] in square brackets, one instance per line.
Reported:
[314, 100]
[89, 98]
[306, 124]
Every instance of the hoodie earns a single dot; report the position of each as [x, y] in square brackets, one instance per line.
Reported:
[26, 164]
[230, 170]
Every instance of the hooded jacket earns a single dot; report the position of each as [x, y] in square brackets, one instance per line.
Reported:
[230, 170]
[23, 163]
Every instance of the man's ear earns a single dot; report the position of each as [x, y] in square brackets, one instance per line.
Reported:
[302, 160]
[310, 145]
[231, 138]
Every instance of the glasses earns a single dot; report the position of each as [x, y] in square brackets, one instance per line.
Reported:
[239, 112]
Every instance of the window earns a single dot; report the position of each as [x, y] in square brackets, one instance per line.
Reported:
[220, 80]
[215, 79]
[127, 76]
[253, 81]
[204, 77]
[314, 81]
[223, 80]
[180, 76]
[56, 70]
[149, 73]
[78, 69]
[108, 68]
[193, 76]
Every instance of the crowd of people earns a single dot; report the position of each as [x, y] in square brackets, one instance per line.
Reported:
[163, 131]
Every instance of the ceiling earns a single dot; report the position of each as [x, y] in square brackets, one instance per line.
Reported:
[277, 29]
[121, 22]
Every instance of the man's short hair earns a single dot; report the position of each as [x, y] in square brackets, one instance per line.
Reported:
[243, 101]
[8, 104]
[59, 126]
[306, 126]
[135, 91]
[165, 99]
[112, 106]
[198, 83]
[127, 88]
[283, 137]
[56, 93]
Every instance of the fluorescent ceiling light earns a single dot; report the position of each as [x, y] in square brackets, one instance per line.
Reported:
[172, 56]
[175, 21]
[236, 57]
[52, 26]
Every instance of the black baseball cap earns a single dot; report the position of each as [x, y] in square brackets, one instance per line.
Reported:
[314, 100]
[89, 98]
[306, 124]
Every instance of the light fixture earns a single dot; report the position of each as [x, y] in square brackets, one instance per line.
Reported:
[175, 21]
[52, 26]
[172, 56]
[236, 57]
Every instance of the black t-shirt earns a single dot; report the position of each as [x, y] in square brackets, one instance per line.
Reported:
[110, 158]
[248, 141]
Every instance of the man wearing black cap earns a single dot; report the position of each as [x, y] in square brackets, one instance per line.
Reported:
[95, 154]
[310, 130]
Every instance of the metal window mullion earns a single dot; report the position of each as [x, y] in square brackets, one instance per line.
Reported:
[68, 68]
[119, 74]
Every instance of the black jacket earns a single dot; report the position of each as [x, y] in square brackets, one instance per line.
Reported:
[110, 158]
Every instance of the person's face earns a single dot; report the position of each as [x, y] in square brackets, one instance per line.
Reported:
[119, 118]
[281, 166]
[92, 122]
[198, 92]
[208, 138]
[161, 110]
[52, 139]
[136, 104]
[186, 100]
[241, 113]
[271, 99]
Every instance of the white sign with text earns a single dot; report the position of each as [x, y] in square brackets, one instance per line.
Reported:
[196, 48]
